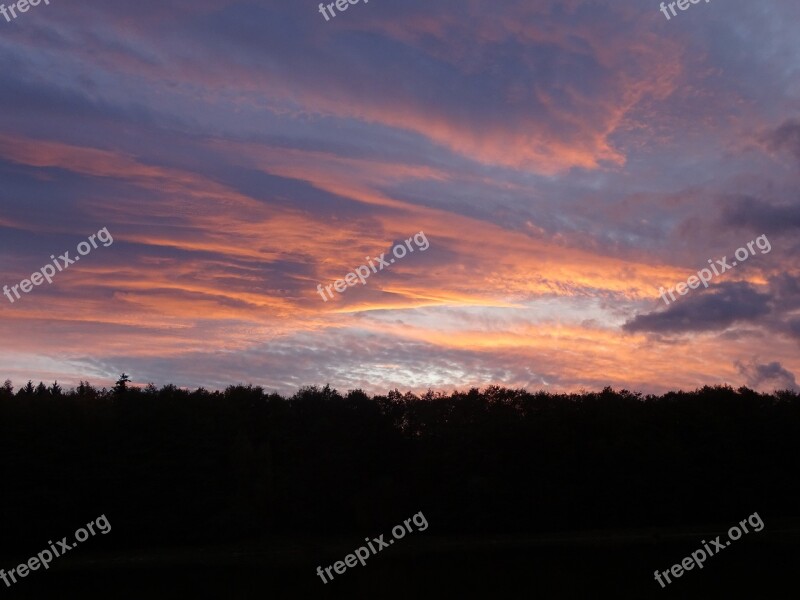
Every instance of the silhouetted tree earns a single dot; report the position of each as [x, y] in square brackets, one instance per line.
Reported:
[27, 391]
[85, 390]
[122, 385]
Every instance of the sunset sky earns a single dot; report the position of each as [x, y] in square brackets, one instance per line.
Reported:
[564, 158]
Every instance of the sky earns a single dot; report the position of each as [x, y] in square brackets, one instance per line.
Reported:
[563, 159]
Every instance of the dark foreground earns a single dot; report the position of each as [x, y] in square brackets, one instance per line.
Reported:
[242, 494]
[589, 565]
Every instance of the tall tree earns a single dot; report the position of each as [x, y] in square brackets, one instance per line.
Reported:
[122, 385]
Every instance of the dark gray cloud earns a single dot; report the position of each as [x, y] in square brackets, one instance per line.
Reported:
[793, 326]
[785, 138]
[709, 310]
[772, 375]
[764, 217]
[726, 304]
[785, 290]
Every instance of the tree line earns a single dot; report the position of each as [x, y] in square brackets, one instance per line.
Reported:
[171, 465]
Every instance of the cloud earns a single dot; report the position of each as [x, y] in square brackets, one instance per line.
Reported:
[710, 310]
[758, 215]
[771, 376]
[785, 289]
[794, 328]
[785, 138]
